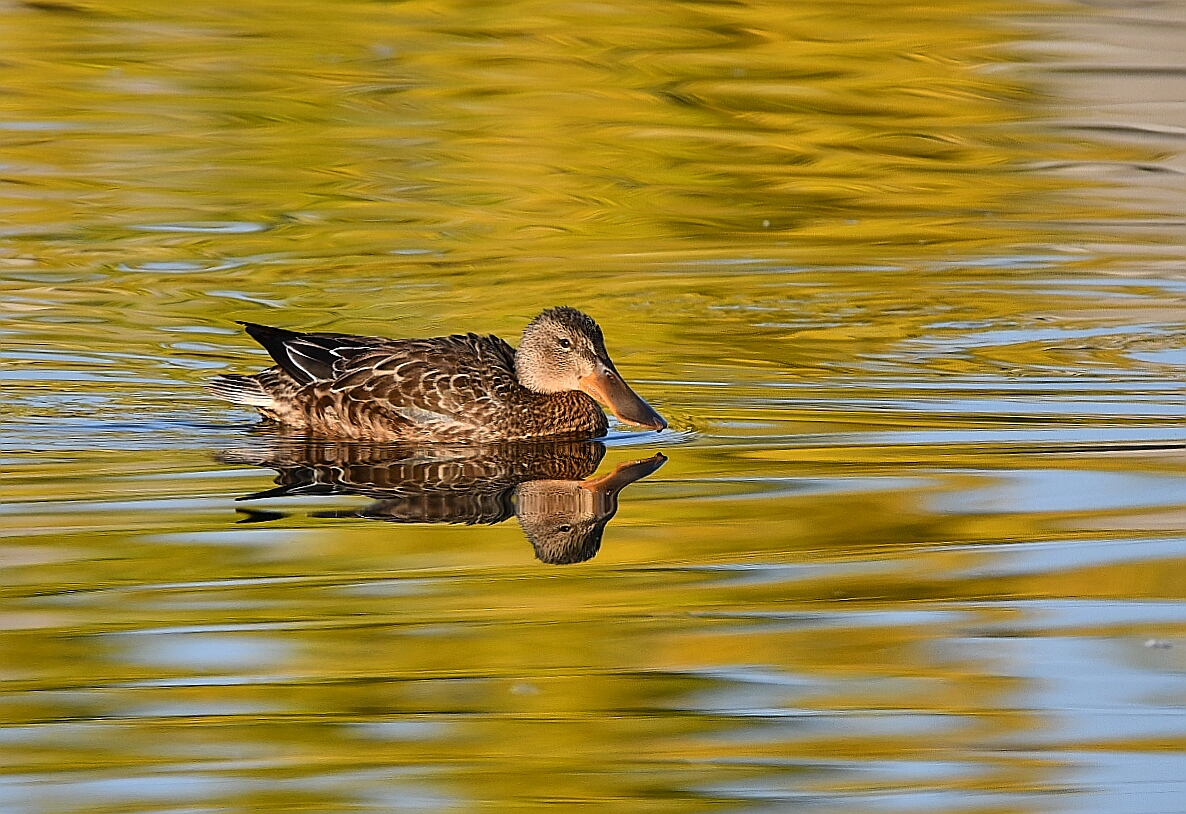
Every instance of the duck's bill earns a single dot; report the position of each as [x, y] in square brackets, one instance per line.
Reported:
[605, 385]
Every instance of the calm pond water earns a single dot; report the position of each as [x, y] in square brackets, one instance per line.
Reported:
[907, 281]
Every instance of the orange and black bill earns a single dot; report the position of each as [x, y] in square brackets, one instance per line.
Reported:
[605, 385]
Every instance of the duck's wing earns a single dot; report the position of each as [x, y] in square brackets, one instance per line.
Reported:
[447, 384]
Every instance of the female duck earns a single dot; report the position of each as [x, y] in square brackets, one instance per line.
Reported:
[461, 388]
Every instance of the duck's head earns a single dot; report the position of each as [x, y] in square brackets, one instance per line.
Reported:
[563, 349]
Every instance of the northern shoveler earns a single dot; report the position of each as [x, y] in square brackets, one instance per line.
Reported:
[464, 387]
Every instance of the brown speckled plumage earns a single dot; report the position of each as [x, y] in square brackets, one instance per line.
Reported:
[460, 388]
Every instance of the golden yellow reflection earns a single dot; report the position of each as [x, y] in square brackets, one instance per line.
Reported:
[915, 541]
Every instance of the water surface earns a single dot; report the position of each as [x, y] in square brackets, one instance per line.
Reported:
[907, 282]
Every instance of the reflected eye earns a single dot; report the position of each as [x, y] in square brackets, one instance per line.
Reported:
[565, 343]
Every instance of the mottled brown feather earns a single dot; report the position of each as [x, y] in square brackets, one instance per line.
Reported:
[453, 388]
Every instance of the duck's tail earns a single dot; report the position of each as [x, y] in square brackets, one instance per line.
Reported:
[246, 390]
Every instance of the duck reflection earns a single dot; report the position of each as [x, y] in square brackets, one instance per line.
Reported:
[547, 487]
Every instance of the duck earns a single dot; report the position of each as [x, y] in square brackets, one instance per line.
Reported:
[462, 388]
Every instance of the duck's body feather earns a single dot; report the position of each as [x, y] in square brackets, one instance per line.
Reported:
[462, 387]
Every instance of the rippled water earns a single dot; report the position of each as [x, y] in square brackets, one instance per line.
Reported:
[908, 283]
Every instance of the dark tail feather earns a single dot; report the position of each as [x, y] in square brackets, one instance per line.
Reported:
[245, 390]
[268, 336]
[275, 342]
[306, 357]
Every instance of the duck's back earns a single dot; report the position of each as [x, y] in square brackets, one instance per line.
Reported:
[448, 386]
[451, 388]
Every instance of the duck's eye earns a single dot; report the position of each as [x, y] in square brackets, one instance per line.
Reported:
[565, 529]
[565, 343]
